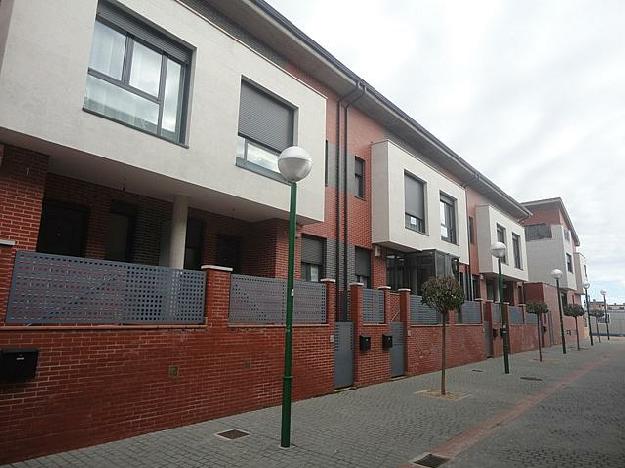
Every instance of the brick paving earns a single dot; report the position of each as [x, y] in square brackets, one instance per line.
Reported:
[576, 423]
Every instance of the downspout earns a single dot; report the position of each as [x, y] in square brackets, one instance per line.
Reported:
[345, 191]
[466, 209]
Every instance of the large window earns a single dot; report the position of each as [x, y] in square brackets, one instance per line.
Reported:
[265, 129]
[537, 231]
[137, 76]
[120, 232]
[359, 177]
[312, 258]
[414, 203]
[501, 237]
[569, 263]
[471, 231]
[448, 219]
[516, 250]
[363, 266]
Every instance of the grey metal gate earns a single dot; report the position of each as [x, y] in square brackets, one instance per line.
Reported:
[343, 354]
[488, 339]
[398, 357]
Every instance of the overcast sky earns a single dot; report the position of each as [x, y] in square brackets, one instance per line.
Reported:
[532, 93]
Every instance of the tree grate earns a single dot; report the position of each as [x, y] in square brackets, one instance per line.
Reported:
[533, 379]
[232, 434]
[431, 461]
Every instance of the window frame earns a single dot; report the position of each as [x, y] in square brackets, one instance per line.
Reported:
[421, 225]
[124, 82]
[305, 265]
[569, 263]
[360, 189]
[502, 229]
[516, 251]
[452, 227]
[471, 228]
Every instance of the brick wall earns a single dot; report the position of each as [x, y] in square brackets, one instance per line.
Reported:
[98, 385]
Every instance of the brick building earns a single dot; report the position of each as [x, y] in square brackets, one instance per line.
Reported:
[143, 145]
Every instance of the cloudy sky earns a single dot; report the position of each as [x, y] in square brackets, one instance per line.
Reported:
[532, 93]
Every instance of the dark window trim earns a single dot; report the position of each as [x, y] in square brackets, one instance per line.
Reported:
[70, 206]
[516, 253]
[260, 170]
[504, 260]
[452, 203]
[407, 214]
[360, 179]
[130, 211]
[471, 227]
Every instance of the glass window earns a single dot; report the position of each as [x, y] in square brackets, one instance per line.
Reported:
[471, 231]
[569, 263]
[448, 219]
[362, 266]
[312, 258]
[501, 237]
[516, 250]
[134, 83]
[359, 177]
[537, 231]
[414, 201]
[310, 272]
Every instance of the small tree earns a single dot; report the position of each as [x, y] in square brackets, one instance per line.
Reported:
[443, 294]
[574, 310]
[539, 309]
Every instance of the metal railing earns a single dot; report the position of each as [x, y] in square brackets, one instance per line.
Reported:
[57, 289]
[259, 300]
[470, 312]
[496, 311]
[515, 314]
[423, 314]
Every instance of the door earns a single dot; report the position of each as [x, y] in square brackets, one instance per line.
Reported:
[228, 252]
[398, 356]
[343, 354]
[63, 229]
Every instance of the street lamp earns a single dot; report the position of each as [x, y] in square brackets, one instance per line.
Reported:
[498, 250]
[605, 310]
[586, 286]
[557, 274]
[294, 164]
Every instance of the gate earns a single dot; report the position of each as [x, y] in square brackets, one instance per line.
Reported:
[488, 339]
[343, 354]
[398, 356]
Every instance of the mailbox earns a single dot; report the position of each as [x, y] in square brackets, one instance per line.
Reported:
[387, 341]
[495, 333]
[365, 343]
[18, 365]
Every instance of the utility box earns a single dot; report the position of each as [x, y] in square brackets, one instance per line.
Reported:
[365, 343]
[18, 365]
[387, 341]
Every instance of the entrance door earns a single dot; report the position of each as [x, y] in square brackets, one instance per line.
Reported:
[343, 354]
[398, 356]
[63, 229]
[228, 252]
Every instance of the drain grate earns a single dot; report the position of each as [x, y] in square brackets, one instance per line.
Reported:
[477, 370]
[431, 461]
[533, 379]
[232, 434]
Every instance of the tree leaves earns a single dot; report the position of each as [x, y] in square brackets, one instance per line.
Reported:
[443, 294]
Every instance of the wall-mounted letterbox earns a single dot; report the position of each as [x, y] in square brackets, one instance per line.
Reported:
[387, 341]
[365, 343]
[495, 333]
[18, 365]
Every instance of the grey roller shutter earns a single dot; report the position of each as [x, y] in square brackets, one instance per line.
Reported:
[413, 190]
[363, 262]
[264, 119]
[117, 17]
[312, 250]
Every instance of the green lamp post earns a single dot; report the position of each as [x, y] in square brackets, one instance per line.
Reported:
[586, 286]
[557, 275]
[294, 164]
[498, 250]
[607, 316]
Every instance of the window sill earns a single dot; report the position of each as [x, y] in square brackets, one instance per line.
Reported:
[125, 124]
[423, 233]
[449, 241]
[260, 170]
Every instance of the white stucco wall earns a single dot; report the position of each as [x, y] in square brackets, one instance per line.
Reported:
[580, 275]
[389, 163]
[42, 86]
[543, 255]
[487, 219]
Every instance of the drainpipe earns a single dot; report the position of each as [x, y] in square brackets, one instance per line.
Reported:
[466, 209]
[345, 191]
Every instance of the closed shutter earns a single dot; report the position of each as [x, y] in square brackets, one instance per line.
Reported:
[363, 262]
[413, 190]
[312, 250]
[264, 119]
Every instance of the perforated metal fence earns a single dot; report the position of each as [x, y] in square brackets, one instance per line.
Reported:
[255, 299]
[470, 312]
[373, 306]
[496, 312]
[423, 314]
[515, 314]
[531, 318]
[57, 289]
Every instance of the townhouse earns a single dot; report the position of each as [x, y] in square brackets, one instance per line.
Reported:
[139, 142]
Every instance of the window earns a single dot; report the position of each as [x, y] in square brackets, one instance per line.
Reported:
[537, 231]
[448, 219]
[471, 231]
[193, 245]
[359, 177]
[120, 232]
[265, 130]
[326, 164]
[137, 76]
[501, 237]
[516, 250]
[569, 263]
[63, 229]
[567, 234]
[396, 270]
[312, 258]
[363, 266]
[476, 287]
[414, 203]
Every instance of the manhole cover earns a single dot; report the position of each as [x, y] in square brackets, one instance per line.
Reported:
[232, 434]
[431, 461]
[477, 370]
[533, 379]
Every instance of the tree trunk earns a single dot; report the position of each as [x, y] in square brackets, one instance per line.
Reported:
[540, 329]
[577, 333]
[443, 363]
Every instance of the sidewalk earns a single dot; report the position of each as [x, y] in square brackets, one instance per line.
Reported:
[574, 416]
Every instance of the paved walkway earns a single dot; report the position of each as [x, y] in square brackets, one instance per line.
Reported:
[574, 416]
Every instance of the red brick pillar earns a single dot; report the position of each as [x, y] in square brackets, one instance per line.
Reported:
[330, 285]
[404, 317]
[355, 311]
[217, 295]
[22, 186]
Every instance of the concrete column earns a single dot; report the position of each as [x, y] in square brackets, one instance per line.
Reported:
[178, 231]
